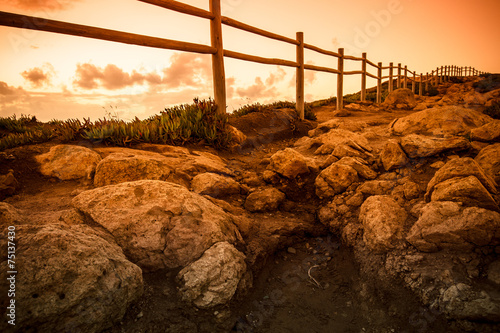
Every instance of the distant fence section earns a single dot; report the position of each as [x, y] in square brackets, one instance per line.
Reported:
[401, 74]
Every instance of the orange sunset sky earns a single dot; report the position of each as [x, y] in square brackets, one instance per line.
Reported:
[55, 76]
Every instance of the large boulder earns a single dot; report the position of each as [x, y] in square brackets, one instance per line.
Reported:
[440, 121]
[215, 185]
[69, 280]
[289, 163]
[467, 190]
[264, 200]
[401, 99]
[489, 160]
[383, 220]
[213, 279]
[334, 180]
[416, 145]
[131, 165]
[460, 167]
[158, 224]
[68, 162]
[488, 132]
[392, 156]
[174, 165]
[448, 225]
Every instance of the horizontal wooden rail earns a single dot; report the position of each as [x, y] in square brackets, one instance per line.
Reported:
[439, 75]
[371, 63]
[181, 8]
[348, 57]
[37, 23]
[353, 73]
[322, 69]
[261, 60]
[320, 50]
[242, 26]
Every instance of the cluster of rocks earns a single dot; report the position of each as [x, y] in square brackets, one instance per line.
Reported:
[417, 199]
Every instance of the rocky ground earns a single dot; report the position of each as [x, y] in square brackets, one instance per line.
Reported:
[375, 218]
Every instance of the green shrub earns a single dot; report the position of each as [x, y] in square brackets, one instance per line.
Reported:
[257, 107]
[14, 125]
[29, 137]
[248, 108]
[177, 125]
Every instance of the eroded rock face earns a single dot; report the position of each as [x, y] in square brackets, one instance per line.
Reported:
[339, 142]
[360, 165]
[488, 132]
[467, 190]
[68, 162]
[376, 187]
[213, 279]
[9, 215]
[215, 185]
[392, 156]
[416, 145]
[72, 280]
[8, 184]
[448, 225]
[383, 221]
[289, 163]
[489, 160]
[158, 224]
[440, 121]
[460, 167]
[334, 180]
[264, 200]
[461, 301]
[401, 99]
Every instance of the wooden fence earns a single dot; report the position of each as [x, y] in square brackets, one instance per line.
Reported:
[216, 49]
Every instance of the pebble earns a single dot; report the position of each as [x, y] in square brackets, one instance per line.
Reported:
[291, 250]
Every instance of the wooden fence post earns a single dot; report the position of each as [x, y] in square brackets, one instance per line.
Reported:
[441, 77]
[379, 83]
[427, 81]
[421, 86]
[399, 76]
[405, 82]
[414, 83]
[218, 73]
[391, 77]
[363, 78]
[300, 75]
[340, 81]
